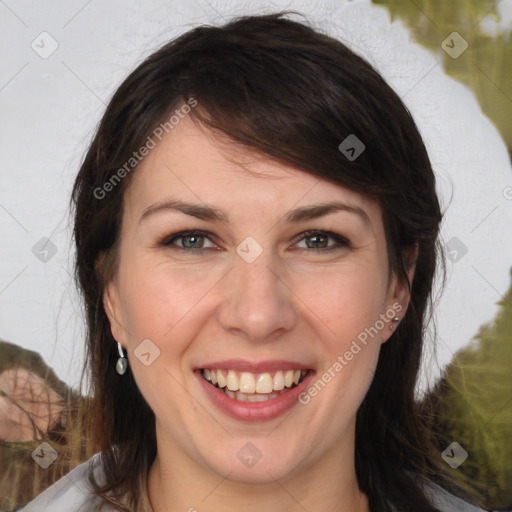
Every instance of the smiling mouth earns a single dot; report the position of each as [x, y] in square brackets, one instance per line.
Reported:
[253, 387]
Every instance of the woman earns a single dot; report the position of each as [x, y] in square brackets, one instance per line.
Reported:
[256, 227]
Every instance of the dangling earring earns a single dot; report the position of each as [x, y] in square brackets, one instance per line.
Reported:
[122, 362]
[396, 319]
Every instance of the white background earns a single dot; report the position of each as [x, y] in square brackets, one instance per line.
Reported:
[50, 107]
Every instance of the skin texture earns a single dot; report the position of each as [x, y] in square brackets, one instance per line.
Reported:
[293, 302]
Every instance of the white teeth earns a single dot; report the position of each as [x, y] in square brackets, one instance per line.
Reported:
[264, 384]
[257, 398]
[278, 381]
[243, 397]
[231, 394]
[248, 383]
[239, 396]
[232, 381]
[221, 380]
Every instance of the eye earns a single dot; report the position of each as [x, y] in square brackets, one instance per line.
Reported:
[319, 240]
[189, 240]
[194, 240]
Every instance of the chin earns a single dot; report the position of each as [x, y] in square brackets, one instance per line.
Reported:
[250, 465]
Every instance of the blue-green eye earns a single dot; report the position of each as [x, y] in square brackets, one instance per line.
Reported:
[320, 240]
[194, 240]
[190, 240]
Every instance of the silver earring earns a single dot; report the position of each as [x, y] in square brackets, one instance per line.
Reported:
[395, 319]
[122, 362]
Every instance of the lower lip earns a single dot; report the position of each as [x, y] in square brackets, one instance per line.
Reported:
[254, 411]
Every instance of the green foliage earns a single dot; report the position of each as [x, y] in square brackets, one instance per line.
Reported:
[486, 66]
[472, 403]
[474, 408]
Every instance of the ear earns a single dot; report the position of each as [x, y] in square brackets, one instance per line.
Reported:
[399, 295]
[112, 306]
[401, 287]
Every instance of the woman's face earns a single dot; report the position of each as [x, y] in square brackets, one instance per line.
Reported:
[256, 301]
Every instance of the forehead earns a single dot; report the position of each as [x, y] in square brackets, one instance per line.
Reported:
[192, 163]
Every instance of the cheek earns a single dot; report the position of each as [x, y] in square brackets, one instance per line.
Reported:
[157, 298]
[159, 304]
[351, 300]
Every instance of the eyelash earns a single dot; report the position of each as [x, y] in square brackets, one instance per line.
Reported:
[340, 241]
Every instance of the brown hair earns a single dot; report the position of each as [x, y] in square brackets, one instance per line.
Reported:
[287, 91]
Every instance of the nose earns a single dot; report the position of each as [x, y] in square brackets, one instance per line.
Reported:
[258, 304]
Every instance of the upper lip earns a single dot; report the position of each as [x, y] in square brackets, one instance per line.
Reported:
[243, 365]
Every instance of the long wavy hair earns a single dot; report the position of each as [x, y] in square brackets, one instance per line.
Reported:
[282, 89]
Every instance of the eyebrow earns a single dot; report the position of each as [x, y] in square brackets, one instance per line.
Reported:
[301, 214]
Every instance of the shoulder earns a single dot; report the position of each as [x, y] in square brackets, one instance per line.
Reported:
[440, 498]
[72, 493]
[447, 502]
